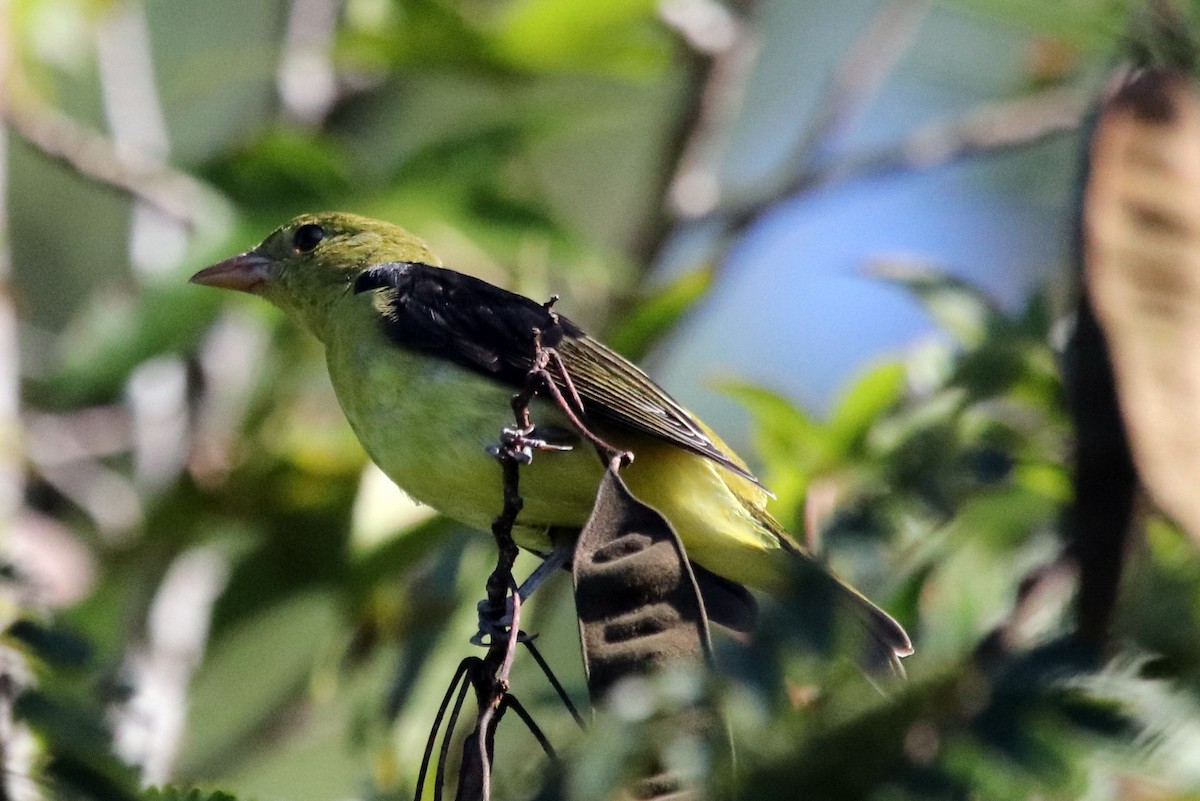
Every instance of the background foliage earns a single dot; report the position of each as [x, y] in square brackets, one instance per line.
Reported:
[208, 586]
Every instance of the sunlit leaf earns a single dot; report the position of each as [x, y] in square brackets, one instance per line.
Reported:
[622, 36]
[860, 406]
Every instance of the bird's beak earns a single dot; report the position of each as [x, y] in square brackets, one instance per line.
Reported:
[245, 273]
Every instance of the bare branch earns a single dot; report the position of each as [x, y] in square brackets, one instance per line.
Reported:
[988, 128]
[715, 99]
[853, 83]
[857, 79]
[95, 156]
[306, 80]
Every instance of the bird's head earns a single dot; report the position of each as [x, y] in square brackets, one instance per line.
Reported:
[306, 265]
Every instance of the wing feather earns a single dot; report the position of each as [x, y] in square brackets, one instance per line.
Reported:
[492, 331]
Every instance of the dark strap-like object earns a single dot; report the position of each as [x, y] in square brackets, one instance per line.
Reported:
[639, 609]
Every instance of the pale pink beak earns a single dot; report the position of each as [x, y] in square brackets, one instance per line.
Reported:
[245, 273]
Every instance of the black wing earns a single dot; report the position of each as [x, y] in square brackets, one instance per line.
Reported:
[491, 330]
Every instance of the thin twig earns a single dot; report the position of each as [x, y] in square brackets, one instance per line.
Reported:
[490, 676]
[511, 702]
[717, 52]
[565, 377]
[95, 156]
[491, 681]
[987, 128]
[607, 452]
[437, 724]
[554, 682]
[440, 781]
[497, 692]
[858, 77]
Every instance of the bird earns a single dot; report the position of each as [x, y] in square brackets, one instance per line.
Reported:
[424, 362]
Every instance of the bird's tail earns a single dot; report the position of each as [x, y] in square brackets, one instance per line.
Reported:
[886, 641]
[880, 640]
[849, 618]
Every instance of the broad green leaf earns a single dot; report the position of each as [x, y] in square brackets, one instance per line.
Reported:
[783, 434]
[867, 399]
[257, 670]
[791, 446]
[413, 34]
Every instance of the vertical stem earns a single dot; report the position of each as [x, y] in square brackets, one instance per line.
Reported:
[157, 241]
[11, 473]
[14, 768]
[306, 81]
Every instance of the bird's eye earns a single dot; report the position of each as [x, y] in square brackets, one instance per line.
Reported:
[307, 237]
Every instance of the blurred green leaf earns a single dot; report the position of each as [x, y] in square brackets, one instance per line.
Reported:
[653, 316]
[283, 172]
[103, 347]
[272, 654]
[859, 408]
[783, 431]
[185, 794]
[54, 646]
[621, 36]
[791, 446]
[422, 34]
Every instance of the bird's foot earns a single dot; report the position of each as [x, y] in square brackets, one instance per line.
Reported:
[520, 443]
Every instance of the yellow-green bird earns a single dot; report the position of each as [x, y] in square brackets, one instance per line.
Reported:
[425, 360]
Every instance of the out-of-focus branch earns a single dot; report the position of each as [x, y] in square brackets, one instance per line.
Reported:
[694, 191]
[157, 241]
[67, 451]
[858, 77]
[986, 129]
[722, 48]
[11, 467]
[306, 81]
[147, 730]
[17, 749]
[95, 156]
[716, 47]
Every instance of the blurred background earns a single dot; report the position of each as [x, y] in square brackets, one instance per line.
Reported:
[841, 232]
